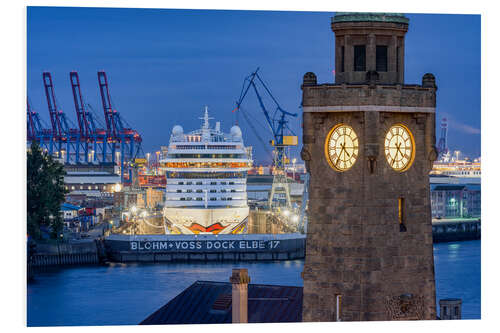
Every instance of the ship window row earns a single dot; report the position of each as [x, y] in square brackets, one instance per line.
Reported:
[462, 173]
[206, 165]
[211, 183]
[209, 175]
[206, 147]
[211, 191]
[201, 199]
[206, 156]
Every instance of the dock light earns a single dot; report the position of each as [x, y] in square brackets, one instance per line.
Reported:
[295, 219]
[117, 187]
[286, 212]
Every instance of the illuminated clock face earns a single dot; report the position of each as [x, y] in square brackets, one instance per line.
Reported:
[399, 147]
[341, 147]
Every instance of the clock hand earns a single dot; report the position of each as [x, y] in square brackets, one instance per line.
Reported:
[345, 151]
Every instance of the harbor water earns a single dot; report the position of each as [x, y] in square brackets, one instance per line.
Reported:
[125, 294]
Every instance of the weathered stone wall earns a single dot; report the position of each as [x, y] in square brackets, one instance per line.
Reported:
[354, 244]
[366, 94]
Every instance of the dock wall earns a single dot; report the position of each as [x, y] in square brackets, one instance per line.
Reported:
[65, 254]
[456, 230]
[249, 247]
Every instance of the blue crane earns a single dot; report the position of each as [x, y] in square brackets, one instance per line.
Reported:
[277, 123]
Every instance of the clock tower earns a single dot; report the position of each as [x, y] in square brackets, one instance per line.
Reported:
[368, 144]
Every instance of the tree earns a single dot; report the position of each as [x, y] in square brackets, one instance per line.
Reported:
[45, 189]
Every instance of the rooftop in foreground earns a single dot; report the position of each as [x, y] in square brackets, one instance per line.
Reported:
[206, 302]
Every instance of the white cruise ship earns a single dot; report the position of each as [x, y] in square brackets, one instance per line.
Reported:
[206, 174]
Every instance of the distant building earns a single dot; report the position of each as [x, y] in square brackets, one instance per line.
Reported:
[75, 218]
[456, 200]
[92, 181]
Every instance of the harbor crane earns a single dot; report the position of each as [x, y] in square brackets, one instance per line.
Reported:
[63, 131]
[442, 146]
[89, 141]
[278, 124]
[117, 130]
[36, 129]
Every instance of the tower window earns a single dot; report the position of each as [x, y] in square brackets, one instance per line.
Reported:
[338, 307]
[359, 58]
[401, 214]
[397, 59]
[342, 61]
[381, 65]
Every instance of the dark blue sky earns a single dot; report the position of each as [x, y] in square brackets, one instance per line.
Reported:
[164, 65]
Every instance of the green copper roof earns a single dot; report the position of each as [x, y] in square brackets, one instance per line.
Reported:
[369, 17]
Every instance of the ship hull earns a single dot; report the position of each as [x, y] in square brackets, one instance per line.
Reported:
[231, 220]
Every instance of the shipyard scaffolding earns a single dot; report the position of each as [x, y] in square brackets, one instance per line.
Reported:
[91, 142]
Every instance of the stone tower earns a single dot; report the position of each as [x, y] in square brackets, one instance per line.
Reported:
[368, 144]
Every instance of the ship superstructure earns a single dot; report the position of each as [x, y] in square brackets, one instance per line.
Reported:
[458, 168]
[206, 173]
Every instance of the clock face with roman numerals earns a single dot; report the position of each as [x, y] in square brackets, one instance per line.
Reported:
[399, 147]
[341, 147]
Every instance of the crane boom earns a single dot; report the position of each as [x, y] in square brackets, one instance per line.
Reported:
[81, 114]
[106, 105]
[58, 127]
[277, 126]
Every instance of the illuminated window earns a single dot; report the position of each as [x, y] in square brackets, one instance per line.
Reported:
[338, 307]
[401, 214]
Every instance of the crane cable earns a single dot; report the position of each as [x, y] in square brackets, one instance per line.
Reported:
[256, 133]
